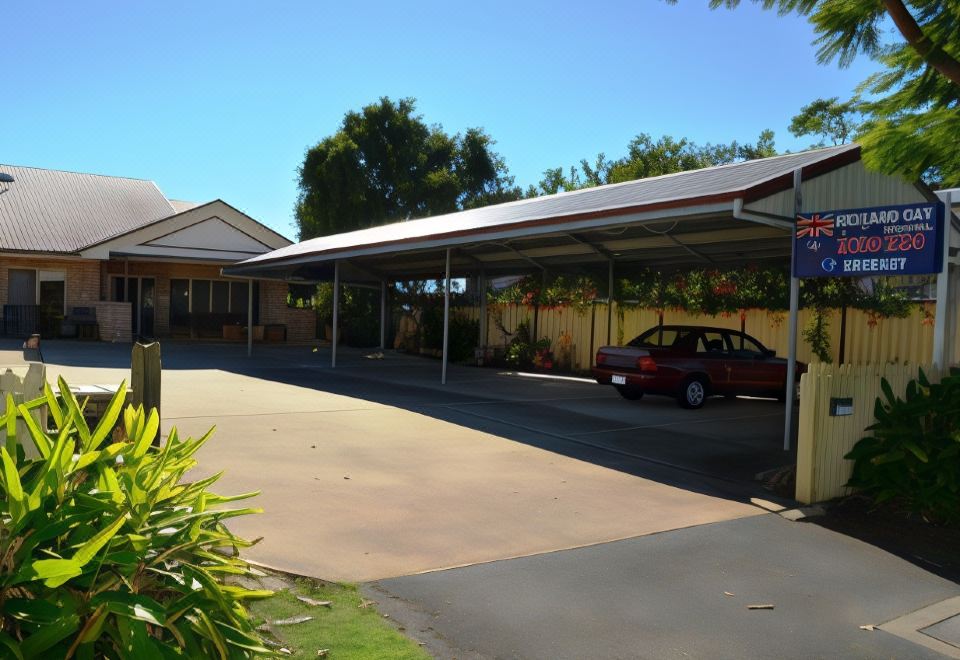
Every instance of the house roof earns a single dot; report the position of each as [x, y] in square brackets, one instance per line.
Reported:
[56, 211]
[53, 211]
[712, 184]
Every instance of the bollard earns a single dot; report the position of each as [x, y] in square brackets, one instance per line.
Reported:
[145, 377]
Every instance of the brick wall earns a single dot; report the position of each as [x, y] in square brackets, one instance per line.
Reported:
[114, 321]
[301, 323]
[82, 279]
[88, 282]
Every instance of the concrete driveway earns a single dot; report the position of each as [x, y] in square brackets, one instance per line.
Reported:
[373, 470]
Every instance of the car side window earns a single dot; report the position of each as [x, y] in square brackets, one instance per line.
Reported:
[712, 343]
[745, 347]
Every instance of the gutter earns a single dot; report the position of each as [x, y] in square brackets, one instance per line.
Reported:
[778, 221]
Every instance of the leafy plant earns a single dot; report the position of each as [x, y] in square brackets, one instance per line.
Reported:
[105, 550]
[913, 454]
[520, 351]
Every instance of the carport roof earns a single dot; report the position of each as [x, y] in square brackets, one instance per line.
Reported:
[561, 230]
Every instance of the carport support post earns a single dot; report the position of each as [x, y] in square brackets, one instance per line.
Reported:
[336, 312]
[610, 304]
[940, 325]
[794, 313]
[446, 321]
[383, 315]
[482, 287]
[249, 317]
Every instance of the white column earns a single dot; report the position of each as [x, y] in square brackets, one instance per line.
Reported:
[482, 287]
[383, 315]
[941, 323]
[336, 312]
[794, 313]
[610, 304]
[446, 321]
[249, 317]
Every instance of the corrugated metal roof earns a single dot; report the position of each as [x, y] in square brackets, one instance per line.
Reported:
[55, 211]
[712, 183]
[179, 205]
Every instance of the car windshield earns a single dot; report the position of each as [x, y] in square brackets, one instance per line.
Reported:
[659, 337]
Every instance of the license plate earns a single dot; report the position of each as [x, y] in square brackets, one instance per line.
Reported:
[619, 380]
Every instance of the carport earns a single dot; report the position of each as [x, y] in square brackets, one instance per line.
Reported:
[728, 215]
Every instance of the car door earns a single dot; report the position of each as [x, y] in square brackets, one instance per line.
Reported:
[712, 353]
[750, 369]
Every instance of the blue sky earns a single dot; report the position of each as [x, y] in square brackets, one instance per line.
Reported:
[221, 99]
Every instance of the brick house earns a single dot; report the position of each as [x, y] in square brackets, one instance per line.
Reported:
[113, 257]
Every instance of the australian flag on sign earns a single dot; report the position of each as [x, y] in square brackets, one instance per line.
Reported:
[815, 225]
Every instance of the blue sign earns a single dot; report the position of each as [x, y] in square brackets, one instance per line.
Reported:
[884, 240]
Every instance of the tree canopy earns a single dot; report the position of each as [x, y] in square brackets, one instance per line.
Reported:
[913, 105]
[829, 118]
[386, 164]
[647, 157]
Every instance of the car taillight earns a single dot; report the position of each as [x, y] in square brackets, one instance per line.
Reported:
[646, 363]
[601, 358]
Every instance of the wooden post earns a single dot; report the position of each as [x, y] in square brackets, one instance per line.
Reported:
[145, 370]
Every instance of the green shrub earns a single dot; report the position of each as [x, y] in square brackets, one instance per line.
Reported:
[464, 333]
[520, 351]
[913, 455]
[105, 551]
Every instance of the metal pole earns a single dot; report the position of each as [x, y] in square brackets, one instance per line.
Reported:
[383, 315]
[794, 313]
[249, 317]
[610, 304]
[336, 312]
[446, 321]
[943, 291]
[482, 286]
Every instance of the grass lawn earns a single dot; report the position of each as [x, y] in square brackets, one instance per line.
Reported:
[345, 628]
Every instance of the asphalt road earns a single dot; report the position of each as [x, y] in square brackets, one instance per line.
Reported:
[678, 594]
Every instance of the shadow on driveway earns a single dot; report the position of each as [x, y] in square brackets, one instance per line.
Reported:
[717, 450]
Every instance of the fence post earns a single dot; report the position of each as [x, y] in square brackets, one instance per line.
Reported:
[806, 435]
[145, 377]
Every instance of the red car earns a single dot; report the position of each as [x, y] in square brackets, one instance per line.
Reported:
[692, 363]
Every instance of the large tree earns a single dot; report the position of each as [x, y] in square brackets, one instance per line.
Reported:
[386, 164]
[647, 157]
[913, 104]
[829, 118]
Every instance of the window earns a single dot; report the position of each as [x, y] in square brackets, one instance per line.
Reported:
[660, 337]
[745, 347]
[21, 287]
[220, 300]
[200, 297]
[712, 342]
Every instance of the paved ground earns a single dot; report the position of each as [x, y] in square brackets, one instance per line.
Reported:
[663, 596]
[373, 470]
[590, 526]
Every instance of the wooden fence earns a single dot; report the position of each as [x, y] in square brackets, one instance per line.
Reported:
[907, 340]
[823, 439]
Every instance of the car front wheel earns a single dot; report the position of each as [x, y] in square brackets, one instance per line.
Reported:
[693, 393]
[629, 393]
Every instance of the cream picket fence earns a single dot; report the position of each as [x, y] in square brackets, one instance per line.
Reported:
[908, 340]
[823, 440]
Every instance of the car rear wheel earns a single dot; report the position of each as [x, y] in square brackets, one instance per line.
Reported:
[693, 393]
[629, 393]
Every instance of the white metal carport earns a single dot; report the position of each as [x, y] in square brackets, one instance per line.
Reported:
[727, 215]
